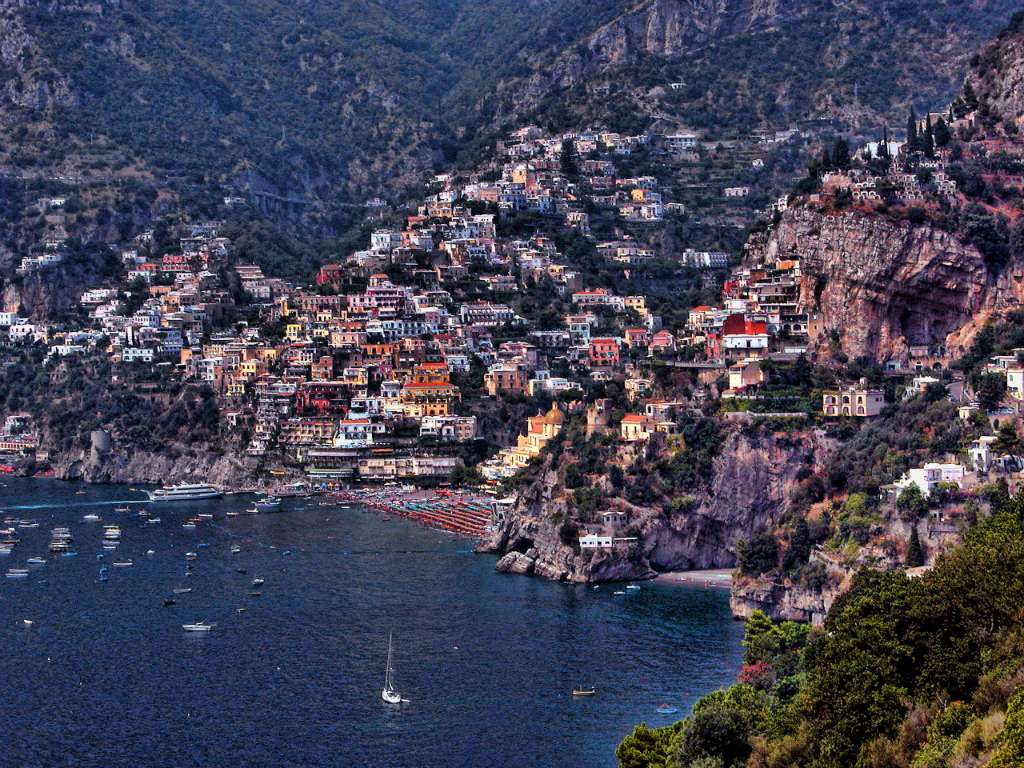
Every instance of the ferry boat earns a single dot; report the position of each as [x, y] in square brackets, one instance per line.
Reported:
[185, 492]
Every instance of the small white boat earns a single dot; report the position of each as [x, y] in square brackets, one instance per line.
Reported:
[258, 582]
[233, 514]
[17, 573]
[90, 518]
[36, 560]
[667, 709]
[389, 694]
[205, 516]
[199, 626]
[235, 550]
[153, 520]
[123, 564]
[632, 586]
[581, 691]
[189, 526]
[27, 622]
[182, 590]
[150, 552]
[618, 592]
[24, 524]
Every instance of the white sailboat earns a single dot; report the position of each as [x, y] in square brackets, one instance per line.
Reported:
[389, 694]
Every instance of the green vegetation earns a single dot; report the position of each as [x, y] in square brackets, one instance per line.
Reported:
[906, 672]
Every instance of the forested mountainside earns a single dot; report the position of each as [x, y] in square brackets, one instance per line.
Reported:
[319, 98]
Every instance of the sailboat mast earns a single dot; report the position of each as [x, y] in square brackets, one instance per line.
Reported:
[387, 671]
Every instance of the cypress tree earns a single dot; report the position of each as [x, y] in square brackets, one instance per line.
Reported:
[915, 552]
[841, 154]
[911, 131]
[928, 145]
[826, 160]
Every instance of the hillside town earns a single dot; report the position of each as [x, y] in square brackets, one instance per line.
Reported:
[383, 367]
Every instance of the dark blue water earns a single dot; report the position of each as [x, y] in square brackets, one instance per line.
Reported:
[106, 676]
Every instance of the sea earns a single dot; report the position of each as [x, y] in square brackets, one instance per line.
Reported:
[106, 676]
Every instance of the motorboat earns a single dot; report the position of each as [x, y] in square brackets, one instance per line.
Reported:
[182, 590]
[581, 691]
[633, 586]
[69, 554]
[36, 560]
[188, 526]
[185, 492]
[199, 626]
[90, 518]
[17, 573]
[235, 550]
[388, 693]
[268, 504]
[123, 564]
[191, 555]
[111, 532]
[27, 524]
[258, 582]
[667, 709]
[205, 516]
[153, 520]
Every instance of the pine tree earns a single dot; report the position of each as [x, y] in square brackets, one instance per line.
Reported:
[911, 131]
[928, 145]
[915, 552]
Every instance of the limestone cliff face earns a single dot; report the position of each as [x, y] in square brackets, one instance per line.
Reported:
[881, 285]
[749, 491]
[670, 27]
[225, 470]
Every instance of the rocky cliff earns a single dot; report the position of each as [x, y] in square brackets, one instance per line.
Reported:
[753, 477]
[879, 285]
[997, 74]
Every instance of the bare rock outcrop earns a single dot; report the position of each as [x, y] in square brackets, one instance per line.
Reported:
[880, 286]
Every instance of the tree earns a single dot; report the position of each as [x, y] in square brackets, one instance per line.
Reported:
[911, 503]
[1007, 440]
[928, 142]
[567, 159]
[715, 731]
[911, 131]
[941, 133]
[915, 552]
[1010, 751]
[841, 154]
[758, 555]
[990, 390]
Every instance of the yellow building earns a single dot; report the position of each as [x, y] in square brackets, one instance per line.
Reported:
[540, 430]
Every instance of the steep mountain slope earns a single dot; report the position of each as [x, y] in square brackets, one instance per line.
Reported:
[317, 96]
[739, 63]
[312, 99]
